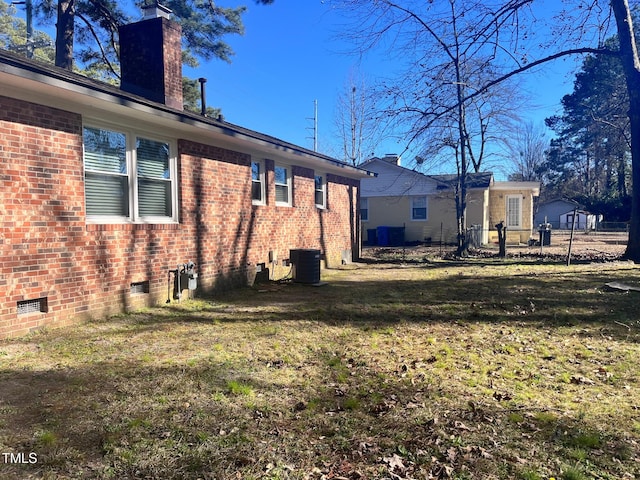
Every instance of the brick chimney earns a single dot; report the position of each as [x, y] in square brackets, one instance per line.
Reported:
[151, 57]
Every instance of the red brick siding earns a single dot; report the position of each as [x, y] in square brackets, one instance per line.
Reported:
[233, 233]
[172, 53]
[151, 60]
[42, 212]
[85, 270]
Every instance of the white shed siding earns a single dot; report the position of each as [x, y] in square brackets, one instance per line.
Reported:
[584, 220]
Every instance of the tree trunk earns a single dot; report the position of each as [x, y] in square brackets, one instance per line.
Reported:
[462, 250]
[622, 175]
[64, 34]
[631, 65]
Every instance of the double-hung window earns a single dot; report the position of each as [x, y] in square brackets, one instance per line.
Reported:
[364, 209]
[128, 177]
[257, 183]
[154, 197]
[419, 208]
[514, 211]
[283, 185]
[320, 191]
[106, 173]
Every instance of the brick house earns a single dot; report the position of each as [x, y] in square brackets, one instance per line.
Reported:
[105, 190]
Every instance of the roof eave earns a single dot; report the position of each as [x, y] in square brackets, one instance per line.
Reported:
[534, 186]
[60, 88]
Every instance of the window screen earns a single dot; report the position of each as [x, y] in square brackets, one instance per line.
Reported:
[419, 208]
[127, 176]
[256, 182]
[154, 178]
[320, 191]
[107, 181]
[282, 184]
[364, 209]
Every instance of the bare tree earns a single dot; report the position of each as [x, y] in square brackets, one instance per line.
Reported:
[527, 150]
[356, 124]
[449, 49]
[445, 39]
[489, 119]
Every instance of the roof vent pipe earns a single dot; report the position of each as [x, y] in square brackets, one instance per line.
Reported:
[203, 97]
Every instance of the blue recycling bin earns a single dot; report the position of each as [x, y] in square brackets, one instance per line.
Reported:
[390, 236]
[383, 236]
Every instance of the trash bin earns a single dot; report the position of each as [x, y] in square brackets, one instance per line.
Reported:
[396, 236]
[382, 235]
[390, 236]
[544, 229]
[372, 238]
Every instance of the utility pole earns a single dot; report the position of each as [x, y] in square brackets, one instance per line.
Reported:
[29, 10]
[315, 125]
[30, 45]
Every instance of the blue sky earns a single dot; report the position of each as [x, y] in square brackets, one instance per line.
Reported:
[282, 64]
[291, 55]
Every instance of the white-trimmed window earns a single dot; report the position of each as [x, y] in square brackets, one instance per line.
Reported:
[514, 211]
[320, 191]
[128, 176]
[419, 208]
[364, 209]
[257, 183]
[283, 185]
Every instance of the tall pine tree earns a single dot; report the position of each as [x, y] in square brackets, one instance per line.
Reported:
[590, 160]
[87, 30]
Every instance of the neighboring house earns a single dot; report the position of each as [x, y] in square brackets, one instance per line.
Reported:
[424, 205]
[106, 190]
[513, 204]
[560, 212]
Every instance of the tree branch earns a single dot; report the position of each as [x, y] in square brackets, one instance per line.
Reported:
[487, 86]
[98, 42]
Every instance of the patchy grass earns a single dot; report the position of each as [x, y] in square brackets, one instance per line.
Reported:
[427, 369]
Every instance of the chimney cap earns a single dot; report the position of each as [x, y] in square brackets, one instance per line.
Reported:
[392, 158]
[156, 10]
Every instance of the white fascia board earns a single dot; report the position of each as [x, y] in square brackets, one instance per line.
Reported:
[534, 186]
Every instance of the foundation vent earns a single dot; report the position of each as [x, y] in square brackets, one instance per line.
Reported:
[37, 305]
[140, 287]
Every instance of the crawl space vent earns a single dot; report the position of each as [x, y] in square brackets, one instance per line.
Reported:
[31, 306]
[140, 287]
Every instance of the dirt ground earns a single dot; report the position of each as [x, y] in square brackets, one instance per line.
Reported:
[584, 247]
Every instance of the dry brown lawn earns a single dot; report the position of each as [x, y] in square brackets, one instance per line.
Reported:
[406, 366]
